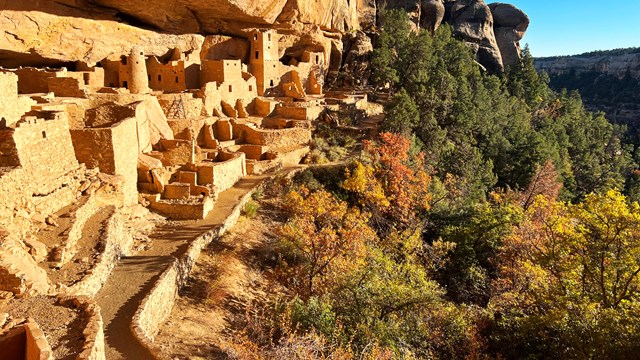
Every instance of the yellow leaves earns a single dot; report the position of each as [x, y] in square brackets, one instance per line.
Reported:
[394, 185]
[586, 252]
[324, 240]
[362, 181]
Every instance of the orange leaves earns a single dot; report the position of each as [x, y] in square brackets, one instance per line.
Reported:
[394, 184]
[323, 239]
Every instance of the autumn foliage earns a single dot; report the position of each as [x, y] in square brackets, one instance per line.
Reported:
[391, 183]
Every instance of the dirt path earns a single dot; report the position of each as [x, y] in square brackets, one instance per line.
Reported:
[134, 276]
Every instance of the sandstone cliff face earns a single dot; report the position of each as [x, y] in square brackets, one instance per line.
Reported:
[61, 32]
[608, 81]
[39, 36]
[510, 25]
[609, 64]
[473, 23]
[225, 16]
[493, 31]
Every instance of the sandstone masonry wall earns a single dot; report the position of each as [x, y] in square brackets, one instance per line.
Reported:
[157, 305]
[118, 242]
[93, 344]
[12, 106]
[113, 149]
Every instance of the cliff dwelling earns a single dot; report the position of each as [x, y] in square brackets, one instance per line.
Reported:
[133, 133]
[95, 155]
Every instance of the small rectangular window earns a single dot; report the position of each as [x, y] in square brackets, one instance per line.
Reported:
[230, 88]
[250, 88]
[44, 134]
[159, 77]
[177, 80]
[257, 54]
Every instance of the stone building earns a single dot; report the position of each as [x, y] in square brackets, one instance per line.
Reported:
[133, 72]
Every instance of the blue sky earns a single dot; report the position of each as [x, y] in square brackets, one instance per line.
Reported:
[567, 27]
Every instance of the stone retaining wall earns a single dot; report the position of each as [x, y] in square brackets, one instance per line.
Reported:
[93, 347]
[271, 137]
[80, 218]
[37, 346]
[25, 341]
[118, 242]
[158, 304]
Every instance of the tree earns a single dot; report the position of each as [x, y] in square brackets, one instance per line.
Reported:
[401, 115]
[385, 57]
[321, 241]
[393, 185]
[570, 278]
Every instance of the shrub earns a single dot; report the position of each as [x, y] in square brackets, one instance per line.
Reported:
[250, 209]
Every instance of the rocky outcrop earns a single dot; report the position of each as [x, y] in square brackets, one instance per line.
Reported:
[607, 63]
[227, 16]
[473, 23]
[426, 14]
[61, 32]
[492, 31]
[432, 14]
[510, 25]
[608, 81]
[39, 38]
[357, 51]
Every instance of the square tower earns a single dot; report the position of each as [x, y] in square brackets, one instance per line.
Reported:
[264, 46]
[264, 63]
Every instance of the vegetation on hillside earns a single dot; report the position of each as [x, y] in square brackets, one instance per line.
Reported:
[492, 218]
[613, 52]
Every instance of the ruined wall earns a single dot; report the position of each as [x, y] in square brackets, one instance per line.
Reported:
[38, 142]
[181, 106]
[272, 138]
[25, 341]
[19, 273]
[223, 173]
[93, 332]
[113, 149]
[168, 77]
[49, 174]
[12, 106]
[33, 80]
[67, 87]
[231, 83]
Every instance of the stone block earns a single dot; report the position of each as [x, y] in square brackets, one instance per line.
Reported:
[187, 177]
[180, 191]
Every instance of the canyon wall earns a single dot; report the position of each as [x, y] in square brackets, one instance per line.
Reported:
[62, 32]
[608, 81]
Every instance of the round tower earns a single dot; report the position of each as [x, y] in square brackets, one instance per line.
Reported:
[138, 72]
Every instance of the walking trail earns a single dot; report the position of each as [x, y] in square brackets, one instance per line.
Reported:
[134, 276]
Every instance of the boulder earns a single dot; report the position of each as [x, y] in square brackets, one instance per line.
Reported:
[432, 14]
[510, 25]
[473, 23]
